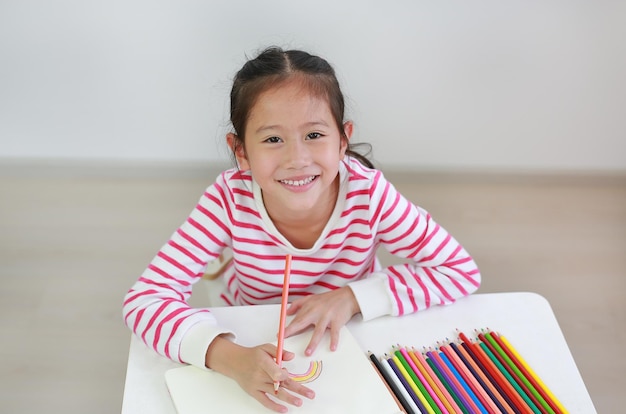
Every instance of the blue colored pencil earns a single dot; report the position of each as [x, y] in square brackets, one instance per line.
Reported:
[477, 376]
[463, 383]
[446, 374]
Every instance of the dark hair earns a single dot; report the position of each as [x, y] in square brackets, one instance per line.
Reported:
[272, 67]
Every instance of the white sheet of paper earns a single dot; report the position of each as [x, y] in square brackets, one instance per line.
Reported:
[348, 383]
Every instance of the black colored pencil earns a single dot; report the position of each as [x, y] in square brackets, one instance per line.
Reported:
[391, 384]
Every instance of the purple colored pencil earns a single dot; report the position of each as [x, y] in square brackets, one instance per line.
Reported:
[406, 385]
[446, 374]
[478, 378]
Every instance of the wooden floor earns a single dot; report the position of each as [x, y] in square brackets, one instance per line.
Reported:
[70, 248]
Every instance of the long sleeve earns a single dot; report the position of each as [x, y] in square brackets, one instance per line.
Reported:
[156, 307]
[437, 271]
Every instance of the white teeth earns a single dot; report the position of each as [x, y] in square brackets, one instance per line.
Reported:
[299, 182]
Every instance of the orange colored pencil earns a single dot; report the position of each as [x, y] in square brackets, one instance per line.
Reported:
[494, 391]
[471, 380]
[434, 381]
[283, 316]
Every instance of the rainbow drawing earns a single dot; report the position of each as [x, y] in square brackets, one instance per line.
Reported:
[311, 374]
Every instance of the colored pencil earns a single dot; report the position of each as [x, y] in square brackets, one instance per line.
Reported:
[471, 378]
[515, 398]
[533, 379]
[416, 389]
[283, 317]
[491, 373]
[517, 383]
[425, 381]
[447, 385]
[463, 398]
[537, 398]
[473, 399]
[419, 380]
[510, 379]
[405, 384]
[391, 384]
[435, 383]
[533, 375]
[489, 388]
[399, 384]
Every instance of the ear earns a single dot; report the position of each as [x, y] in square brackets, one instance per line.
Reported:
[348, 128]
[236, 146]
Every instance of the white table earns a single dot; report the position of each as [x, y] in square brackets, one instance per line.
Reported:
[525, 319]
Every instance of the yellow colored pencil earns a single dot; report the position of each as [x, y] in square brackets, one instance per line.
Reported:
[531, 372]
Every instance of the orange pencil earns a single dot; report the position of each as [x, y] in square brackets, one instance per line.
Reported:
[435, 383]
[283, 316]
[503, 404]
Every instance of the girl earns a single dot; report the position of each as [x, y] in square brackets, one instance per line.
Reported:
[299, 188]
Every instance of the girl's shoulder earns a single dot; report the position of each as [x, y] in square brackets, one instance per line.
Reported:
[234, 177]
[232, 186]
[359, 174]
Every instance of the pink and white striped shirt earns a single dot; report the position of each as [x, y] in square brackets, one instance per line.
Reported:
[369, 213]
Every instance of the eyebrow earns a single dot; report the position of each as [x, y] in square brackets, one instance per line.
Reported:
[264, 128]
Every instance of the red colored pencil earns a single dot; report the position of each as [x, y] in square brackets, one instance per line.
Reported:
[503, 405]
[531, 378]
[471, 379]
[469, 346]
[517, 382]
[504, 384]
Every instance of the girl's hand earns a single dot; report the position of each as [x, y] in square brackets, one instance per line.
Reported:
[255, 370]
[330, 310]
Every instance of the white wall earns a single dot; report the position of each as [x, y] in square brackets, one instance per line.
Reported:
[437, 84]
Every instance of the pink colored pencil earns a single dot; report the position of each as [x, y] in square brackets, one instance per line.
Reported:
[460, 391]
[470, 379]
[425, 383]
[283, 316]
[505, 405]
[435, 383]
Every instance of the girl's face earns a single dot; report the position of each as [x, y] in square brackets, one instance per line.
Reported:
[293, 148]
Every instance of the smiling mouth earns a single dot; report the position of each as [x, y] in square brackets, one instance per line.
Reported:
[298, 183]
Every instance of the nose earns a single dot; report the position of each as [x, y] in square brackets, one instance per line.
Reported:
[297, 154]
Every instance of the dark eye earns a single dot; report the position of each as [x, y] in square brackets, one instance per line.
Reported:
[313, 135]
[273, 140]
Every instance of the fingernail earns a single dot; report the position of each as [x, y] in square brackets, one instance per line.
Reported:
[308, 352]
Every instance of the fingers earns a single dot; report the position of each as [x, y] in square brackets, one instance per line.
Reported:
[288, 356]
[334, 338]
[269, 403]
[294, 307]
[284, 395]
[298, 324]
[298, 388]
[271, 350]
[318, 334]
